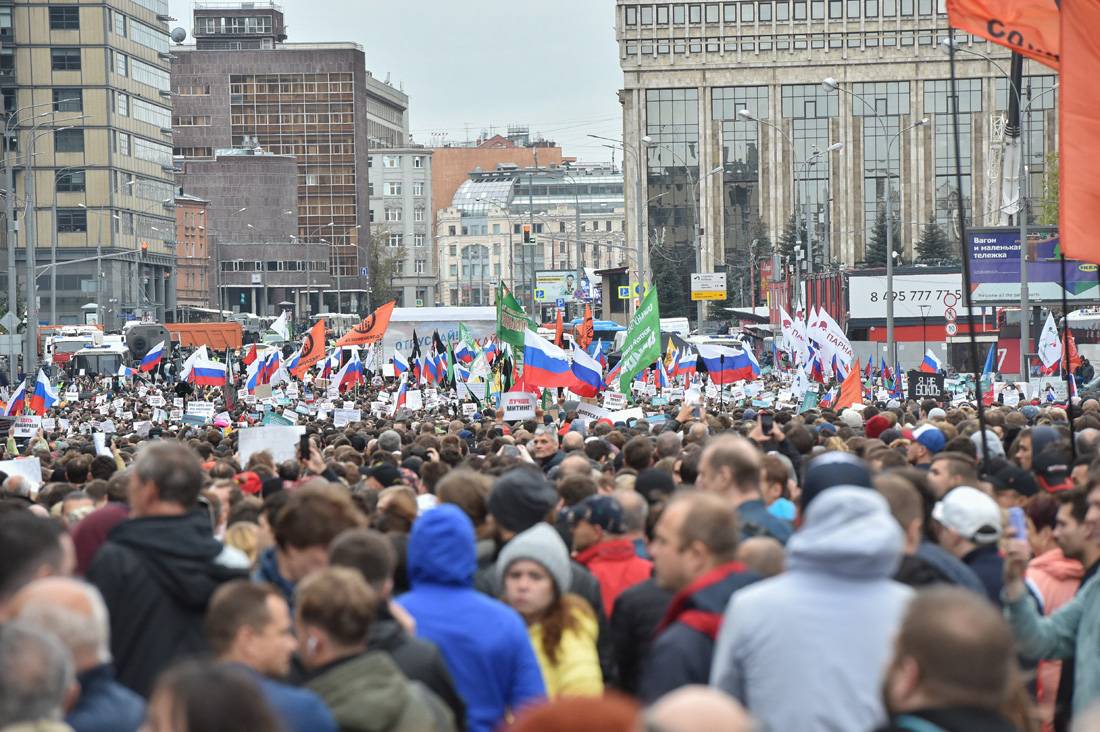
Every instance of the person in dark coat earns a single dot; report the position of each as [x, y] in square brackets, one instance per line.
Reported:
[637, 613]
[933, 683]
[970, 526]
[159, 568]
[372, 555]
[693, 550]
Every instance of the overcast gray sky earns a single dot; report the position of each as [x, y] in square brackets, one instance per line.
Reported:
[471, 65]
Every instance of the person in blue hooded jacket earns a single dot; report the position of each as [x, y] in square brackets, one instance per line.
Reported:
[484, 642]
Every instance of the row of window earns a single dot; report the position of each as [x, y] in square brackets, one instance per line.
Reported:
[778, 10]
[394, 215]
[783, 42]
[240, 265]
[394, 161]
[193, 89]
[246, 116]
[191, 120]
[396, 239]
[139, 147]
[127, 27]
[395, 188]
[234, 25]
[139, 109]
[138, 70]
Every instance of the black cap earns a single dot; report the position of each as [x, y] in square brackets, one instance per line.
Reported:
[832, 469]
[1015, 478]
[521, 498]
[384, 473]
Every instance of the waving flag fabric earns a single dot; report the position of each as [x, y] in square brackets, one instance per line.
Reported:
[210, 373]
[400, 364]
[727, 365]
[930, 364]
[544, 364]
[44, 395]
[152, 358]
[588, 373]
[351, 374]
[18, 401]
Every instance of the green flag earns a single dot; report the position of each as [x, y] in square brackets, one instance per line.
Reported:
[450, 363]
[464, 335]
[643, 340]
[512, 321]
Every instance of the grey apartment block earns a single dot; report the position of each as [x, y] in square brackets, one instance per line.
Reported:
[401, 196]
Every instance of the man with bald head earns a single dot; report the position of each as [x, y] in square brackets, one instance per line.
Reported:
[576, 463]
[730, 467]
[697, 709]
[572, 442]
[74, 612]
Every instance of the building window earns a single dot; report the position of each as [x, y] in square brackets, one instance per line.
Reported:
[418, 189]
[418, 240]
[122, 63]
[118, 23]
[393, 189]
[70, 181]
[71, 220]
[65, 59]
[149, 74]
[393, 214]
[391, 161]
[395, 240]
[68, 99]
[65, 18]
[418, 161]
[419, 266]
[939, 105]
[122, 143]
[154, 114]
[191, 120]
[418, 215]
[68, 141]
[193, 90]
[122, 104]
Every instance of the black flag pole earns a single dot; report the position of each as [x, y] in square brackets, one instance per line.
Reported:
[967, 291]
[1065, 355]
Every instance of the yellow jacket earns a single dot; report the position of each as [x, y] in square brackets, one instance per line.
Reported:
[577, 672]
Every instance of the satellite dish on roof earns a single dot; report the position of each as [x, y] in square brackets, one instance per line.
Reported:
[178, 35]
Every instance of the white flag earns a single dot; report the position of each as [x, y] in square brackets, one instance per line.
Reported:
[1050, 344]
[794, 337]
[281, 326]
[197, 357]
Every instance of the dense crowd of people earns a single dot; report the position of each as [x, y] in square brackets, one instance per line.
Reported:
[889, 567]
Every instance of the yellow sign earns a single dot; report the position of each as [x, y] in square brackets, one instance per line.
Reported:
[708, 294]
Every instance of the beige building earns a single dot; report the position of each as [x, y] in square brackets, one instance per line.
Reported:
[88, 85]
[691, 68]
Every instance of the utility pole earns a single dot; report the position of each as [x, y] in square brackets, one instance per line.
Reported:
[9, 205]
[30, 363]
[534, 239]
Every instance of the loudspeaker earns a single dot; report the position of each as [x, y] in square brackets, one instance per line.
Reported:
[141, 338]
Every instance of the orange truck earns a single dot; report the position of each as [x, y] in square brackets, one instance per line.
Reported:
[215, 336]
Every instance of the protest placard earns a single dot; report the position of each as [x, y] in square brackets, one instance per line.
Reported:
[27, 425]
[28, 467]
[518, 405]
[281, 441]
[345, 416]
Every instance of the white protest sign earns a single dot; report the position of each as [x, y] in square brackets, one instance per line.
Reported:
[159, 415]
[291, 415]
[71, 396]
[469, 409]
[175, 415]
[626, 415]
[613, 401]
[27, 425]
[63, 423]
[141, 429]
[201, 409]
[108, 427]
[414, 400]
[342, 417]
[49, 423]
[127, 416]
[155, 401]
[280, 441]
[1011, 396]
[348, 405]
[388, 370]
[518, 405]
[99, 439]
[591, 412]
[177, 402]
[28, 467]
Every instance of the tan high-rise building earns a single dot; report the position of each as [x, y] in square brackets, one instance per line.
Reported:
[193, 271]
[86, 85]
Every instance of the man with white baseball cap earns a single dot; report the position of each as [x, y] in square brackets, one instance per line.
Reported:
[969, 527]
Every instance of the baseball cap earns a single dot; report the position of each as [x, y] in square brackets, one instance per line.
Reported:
[1015, 478]
[937, 413]
[830, 470]
[971, 514]
[929, 436]
[249, 482]
[1052, 468]
[602, 511]
[384, 473]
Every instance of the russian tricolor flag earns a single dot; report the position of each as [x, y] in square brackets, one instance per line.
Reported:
[612, 377]
[269, 367]
[463, 353]
[352, 373]
[930, 364]
[588, 373]
[660, 375]
[727, 365]
[400, 364]
[431, 369]
[210, 373]
[44, 395]
[18, 401]
[153, 358]
[685, 363]
[544, 364]
[402, 394]
[293, 359]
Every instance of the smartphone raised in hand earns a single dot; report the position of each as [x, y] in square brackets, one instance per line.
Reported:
[1018, 521]
[303, 447]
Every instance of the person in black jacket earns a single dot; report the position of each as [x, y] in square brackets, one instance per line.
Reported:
[372, 555]
[638, 610]
[159, 568]
[694, 548]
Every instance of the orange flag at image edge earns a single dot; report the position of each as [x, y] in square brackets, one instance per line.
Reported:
[1028, 27]
[1079, 127]
[371, 329]
[851, 389]
[313, 348]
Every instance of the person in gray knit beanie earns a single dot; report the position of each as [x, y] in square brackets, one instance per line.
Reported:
[541, 544]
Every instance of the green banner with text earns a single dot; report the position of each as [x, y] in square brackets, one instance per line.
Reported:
[643, 340]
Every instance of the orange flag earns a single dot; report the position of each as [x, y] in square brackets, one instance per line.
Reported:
[1079, 125]
[313, 348]
[585, 331]
[1028, 27]
[1075, 358]
[559, 331]
[371, 329]
[851, 389]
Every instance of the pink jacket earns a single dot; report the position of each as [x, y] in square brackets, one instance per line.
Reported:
[1056, 578]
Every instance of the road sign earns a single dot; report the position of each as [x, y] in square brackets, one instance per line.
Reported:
[540, 295]
[10, 322]
[624, 292]
[364, 271]
[949, 314]
[560, 302]
[951, 328]
[708, 285]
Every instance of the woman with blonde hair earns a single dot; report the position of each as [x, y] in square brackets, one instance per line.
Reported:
[244, 535]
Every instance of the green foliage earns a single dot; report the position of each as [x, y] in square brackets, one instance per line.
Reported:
[384, 263]
[793, 232]
[875, 253]
[1048, 204]
[934, 247]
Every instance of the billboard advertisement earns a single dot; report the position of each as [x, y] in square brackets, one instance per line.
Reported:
[554, 285]
[935, 292]
[995, 268]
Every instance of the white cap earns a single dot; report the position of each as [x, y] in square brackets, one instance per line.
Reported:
[937, 413]
[971, 514]
[852, 418]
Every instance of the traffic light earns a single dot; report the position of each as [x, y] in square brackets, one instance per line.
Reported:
[528, 236]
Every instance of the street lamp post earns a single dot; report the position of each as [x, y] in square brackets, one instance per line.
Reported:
[924, 327]
[830, 84]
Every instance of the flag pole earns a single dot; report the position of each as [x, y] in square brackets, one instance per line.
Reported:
[1065, 354]
[965, 255]
[721, 392]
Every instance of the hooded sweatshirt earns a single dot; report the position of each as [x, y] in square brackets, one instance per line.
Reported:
[483, 641]
[157, 575]
[1055, 579]
[806, 650]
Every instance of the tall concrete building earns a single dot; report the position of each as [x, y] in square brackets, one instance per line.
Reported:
[242, 86]
[85, 87]
[571, 217]
[737, 178]
[193, 273]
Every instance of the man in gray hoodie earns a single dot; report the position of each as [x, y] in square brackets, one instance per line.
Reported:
[806, 650]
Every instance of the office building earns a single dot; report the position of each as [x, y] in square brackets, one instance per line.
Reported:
[401, 193]
[193, 273]
[690, 68]
[242, 86]
[86, 84]
[481, 234]
[387, 114]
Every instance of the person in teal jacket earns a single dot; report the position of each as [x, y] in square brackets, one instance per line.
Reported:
[484, 642]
